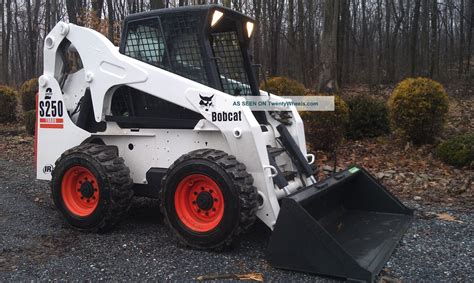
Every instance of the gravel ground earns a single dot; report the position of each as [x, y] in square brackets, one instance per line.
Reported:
[36, 244]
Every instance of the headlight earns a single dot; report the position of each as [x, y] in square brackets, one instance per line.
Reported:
[249, 29]
[216, 17]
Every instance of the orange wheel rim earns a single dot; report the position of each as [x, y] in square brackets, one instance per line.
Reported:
[199, 203]
[80, 191]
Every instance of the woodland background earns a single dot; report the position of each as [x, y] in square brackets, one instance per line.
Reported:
[325, 44]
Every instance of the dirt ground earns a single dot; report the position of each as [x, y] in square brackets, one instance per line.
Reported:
[36, 244]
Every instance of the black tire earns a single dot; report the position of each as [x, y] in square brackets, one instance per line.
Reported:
[114, 186]
[236, 185]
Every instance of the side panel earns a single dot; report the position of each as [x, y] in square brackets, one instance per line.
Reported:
[159, 147]
[56, 132]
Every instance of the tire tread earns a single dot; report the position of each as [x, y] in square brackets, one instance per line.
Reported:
[118, 176]
[243, 183]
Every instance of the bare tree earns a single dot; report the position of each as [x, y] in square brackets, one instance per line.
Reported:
[414, 38]
[461, 36]
[470, 31]
[6, 32]
[328, 77]
[434, 39]
[360, 41]
[156, 4]
[71, 11]
[97, 6]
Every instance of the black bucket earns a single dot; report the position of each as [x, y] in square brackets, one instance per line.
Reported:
[345, 226]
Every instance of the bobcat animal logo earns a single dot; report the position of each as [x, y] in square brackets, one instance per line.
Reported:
[206, 102]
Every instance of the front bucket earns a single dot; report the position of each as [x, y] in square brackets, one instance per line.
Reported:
[345, 226]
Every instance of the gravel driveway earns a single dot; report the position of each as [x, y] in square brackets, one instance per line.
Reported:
[36, 244]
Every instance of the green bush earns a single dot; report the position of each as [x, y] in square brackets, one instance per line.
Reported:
[458, 151]
[8, 101]
[283, 86]
[30, 121]
[418, 109]
[325, 129]
[368, 117]
[28, 92]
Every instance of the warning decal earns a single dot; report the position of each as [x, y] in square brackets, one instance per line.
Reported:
[52, 123]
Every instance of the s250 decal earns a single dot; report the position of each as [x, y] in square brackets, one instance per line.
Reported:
[51, 108]
[50, 112]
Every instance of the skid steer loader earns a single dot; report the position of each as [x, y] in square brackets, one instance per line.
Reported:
[156, 117]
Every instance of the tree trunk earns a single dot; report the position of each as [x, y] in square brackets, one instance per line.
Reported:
[342, 31]
[301, 42]
[434, 39]
[291, 39]
[414, 38]
[31, 48]
[157, 4]
[393, 45]
[380, 41]
[19, 45]
[71, 11]
[47, 17]
[388, 18]
[328, 75]
[311, 41]
[2, 24]
[461, 37]
[32, 30]
[258, 28]
[364, 44]
[110, 20]
[425, 34]
[470, 31]
[6, 33]
[54, 13]
[97, 7]
[275, 17]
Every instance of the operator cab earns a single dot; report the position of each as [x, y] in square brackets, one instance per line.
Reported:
[207, 44]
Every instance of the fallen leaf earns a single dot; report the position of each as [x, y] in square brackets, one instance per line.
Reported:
[248, 276]
[386, 279]
[447, 217]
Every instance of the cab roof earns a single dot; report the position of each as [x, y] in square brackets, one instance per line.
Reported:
[201, 10]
